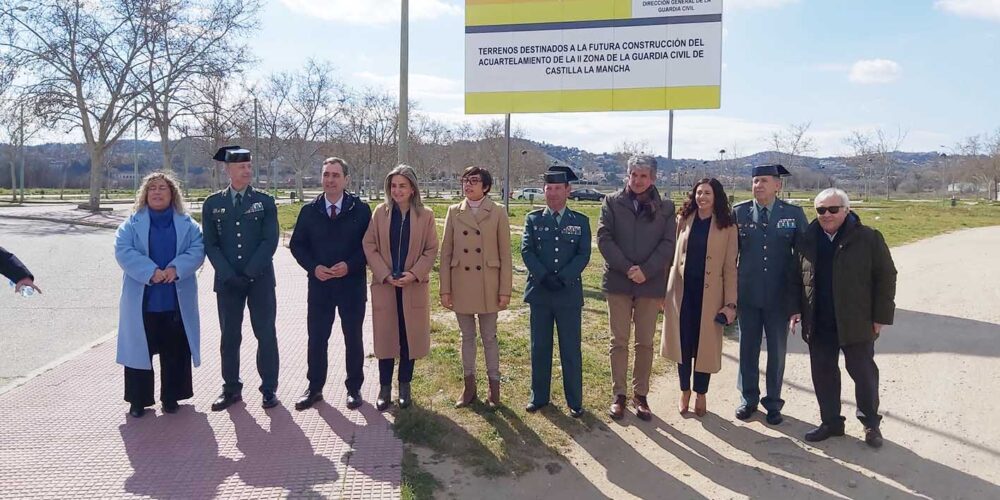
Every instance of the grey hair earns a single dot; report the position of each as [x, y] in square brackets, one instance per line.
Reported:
[410, 175]
[642, 161]
[831, 192]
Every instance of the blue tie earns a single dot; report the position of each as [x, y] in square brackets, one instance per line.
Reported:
[763, 218]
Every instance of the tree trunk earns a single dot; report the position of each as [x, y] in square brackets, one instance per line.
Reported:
[298, 183]
[165, 146]
[13, 180]
[96, 171]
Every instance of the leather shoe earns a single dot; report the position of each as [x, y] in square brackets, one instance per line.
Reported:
[354, 400]
[405, 398]
[744, 412]
[136, 411]
[576, 412]
[823, 432]
[170, 406]
[225, 400]
[617, 409]
[873, 436]
[642, 408]
[774, 417]
[269, 401]
[384, 398]
[533, 407]
[308, 399]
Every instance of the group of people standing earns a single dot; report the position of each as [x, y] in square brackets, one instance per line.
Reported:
[704, 267]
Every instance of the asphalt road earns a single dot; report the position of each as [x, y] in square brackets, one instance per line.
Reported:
[81, 282]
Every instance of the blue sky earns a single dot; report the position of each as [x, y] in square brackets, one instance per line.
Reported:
[930, 67]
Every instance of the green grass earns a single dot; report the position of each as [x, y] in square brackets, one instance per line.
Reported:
[417, 483]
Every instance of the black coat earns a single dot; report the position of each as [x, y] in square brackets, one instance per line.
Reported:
[319, 240]
[864, 281]
[12, 268]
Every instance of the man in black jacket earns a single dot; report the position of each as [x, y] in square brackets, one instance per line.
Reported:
[17, 272]
[326, 242]
[843, 290]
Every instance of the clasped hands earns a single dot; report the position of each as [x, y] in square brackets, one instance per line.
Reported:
[168, 275]
[338, 270]
[636, 275]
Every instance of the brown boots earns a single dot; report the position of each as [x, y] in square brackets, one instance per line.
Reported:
[469, 393]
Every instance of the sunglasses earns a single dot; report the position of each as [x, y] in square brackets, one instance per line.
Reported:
[472, 181]
[824, 210]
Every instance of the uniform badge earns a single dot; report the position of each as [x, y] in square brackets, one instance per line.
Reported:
[786, 224]
[573, 230]
[218, 211]
[256, 207]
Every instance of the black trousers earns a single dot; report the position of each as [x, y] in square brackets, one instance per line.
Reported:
[261, 300]
[165, 336]
[690, 333]
[385, 366]
[824, 356]
[322, 311]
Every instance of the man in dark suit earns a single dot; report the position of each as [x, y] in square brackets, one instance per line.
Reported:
[17, 272]
[240, 225]
[769, 228]
[556, 249]
[326, 242]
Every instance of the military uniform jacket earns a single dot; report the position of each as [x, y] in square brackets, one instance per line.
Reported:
[241, 242]
[765, 258]
[562, 249]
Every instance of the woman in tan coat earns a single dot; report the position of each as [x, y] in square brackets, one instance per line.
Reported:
[476, 276]
[401, 246]
[701, 290]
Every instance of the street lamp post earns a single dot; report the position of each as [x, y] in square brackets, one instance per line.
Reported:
[403, 141]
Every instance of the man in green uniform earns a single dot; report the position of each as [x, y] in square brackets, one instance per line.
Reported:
[556, 250]
[241, 234]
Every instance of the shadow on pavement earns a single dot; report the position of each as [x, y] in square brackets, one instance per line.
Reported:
[174, 455]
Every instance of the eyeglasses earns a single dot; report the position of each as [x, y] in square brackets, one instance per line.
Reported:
[472, 181]
[832, 210]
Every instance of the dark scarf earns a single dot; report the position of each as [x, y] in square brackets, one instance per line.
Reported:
[647, 200]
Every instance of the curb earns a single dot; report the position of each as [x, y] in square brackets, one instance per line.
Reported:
[20, 380]
[103, 225]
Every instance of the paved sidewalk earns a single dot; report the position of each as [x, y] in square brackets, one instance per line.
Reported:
[68, 213]
[67, 435]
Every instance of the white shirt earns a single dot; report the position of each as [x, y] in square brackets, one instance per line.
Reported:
[830, 236]
[338, 204]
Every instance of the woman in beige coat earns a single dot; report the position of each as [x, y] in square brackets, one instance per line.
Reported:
[401, 246]
[701, 290]
[476, 276]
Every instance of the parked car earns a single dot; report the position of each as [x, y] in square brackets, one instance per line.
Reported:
[586, 194]
[528, 193]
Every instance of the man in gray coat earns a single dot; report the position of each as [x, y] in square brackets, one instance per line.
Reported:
[636, 236]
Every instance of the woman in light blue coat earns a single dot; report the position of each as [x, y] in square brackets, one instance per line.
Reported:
[159, 248]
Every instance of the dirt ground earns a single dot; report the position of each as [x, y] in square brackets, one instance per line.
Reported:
[940, 386]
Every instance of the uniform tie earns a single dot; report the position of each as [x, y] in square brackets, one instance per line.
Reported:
[763, 218]
[239, 200]
[558, 218]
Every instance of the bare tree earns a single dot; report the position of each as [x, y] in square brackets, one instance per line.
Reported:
[884, 145]
[189, 40]
[18, 124]
[313, 104]
[862, 150]
[368, 127]
[790, 145]
[216, 118]
[83, 58]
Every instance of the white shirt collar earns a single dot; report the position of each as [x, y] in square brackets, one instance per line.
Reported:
[339, 203]
[829, 236]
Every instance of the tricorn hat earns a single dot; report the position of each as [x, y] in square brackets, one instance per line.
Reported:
[776, 170]
[232, 154]
[559, 174]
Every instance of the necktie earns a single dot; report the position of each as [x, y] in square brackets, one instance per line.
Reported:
[558, 218]
[333, 211]
[239, 200]
[763, 218]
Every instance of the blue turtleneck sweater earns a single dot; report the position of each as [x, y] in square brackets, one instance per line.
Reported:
[162, 250]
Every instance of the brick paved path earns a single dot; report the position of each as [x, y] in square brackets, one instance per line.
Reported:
[66, 433]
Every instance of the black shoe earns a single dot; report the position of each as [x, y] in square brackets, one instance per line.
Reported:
[404, 395]
[170, 406]
[308, 399]
[744, 412]
[823, 432]
[774, 417]
[270, 400]
[136, 411]
[533, 407]
[873, 437]
[225, 400]
[384, 398]
[576, 412]
[354, 400]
